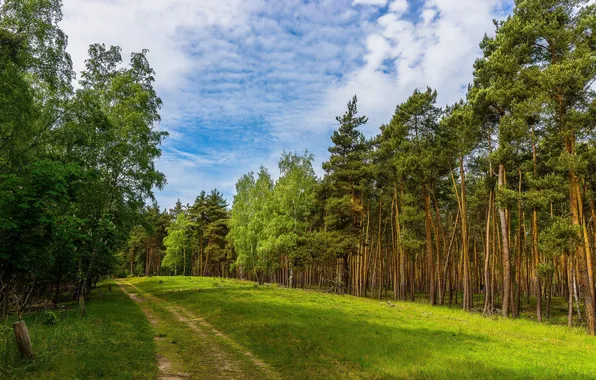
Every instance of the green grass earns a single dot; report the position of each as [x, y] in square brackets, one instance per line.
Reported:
[194, 353]
[558, 308]
[114, 341]
[307, 334]
[300, 333]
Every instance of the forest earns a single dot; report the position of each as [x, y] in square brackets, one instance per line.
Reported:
[491, 196]
[487, 204]
[76, 166]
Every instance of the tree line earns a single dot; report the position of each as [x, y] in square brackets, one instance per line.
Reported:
[185, 240]
[76, 165]
[490, 196]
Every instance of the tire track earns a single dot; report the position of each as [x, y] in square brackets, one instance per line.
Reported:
[221, 360]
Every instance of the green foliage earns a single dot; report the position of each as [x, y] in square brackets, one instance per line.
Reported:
[249, 216]
[545, 270]
[49, 318]
[346, 179]
[292, 204]
[76, 167]
[177, 243]
[209, 231]
[560, 236]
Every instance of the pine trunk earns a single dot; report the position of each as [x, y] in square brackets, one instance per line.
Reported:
[504, 250]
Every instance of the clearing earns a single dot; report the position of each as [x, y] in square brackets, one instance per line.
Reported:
[308, 334]
[210, 328]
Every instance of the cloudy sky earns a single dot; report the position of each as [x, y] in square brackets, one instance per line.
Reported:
[243, 80]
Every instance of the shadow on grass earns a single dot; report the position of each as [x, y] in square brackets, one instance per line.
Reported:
[113, 341]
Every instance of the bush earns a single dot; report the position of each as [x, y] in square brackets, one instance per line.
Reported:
[49, 318]
[121, 274]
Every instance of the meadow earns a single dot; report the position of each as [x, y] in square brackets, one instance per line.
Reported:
[309, 334]
[297, 334]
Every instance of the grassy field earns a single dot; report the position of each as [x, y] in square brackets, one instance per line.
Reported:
[114, 341]
[307, 334]
[299, 334]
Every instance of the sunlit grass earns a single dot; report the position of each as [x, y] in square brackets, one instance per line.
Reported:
[302, 334]
[308, 334]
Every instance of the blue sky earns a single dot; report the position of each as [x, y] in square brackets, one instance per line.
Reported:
[243, 80]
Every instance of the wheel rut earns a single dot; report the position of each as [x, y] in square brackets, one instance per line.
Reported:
[221, 357]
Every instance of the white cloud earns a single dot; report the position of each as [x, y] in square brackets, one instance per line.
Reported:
[188, 159]
[399, 6]
[242, 80]
[378, 3]
[154, 24]
[436, 48]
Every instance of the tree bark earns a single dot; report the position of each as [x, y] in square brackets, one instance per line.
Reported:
[487, 283]
[446, 266]
[401, 257]
[504, 249]
[520, 236]
[379, 247]
[467, 301]
[569, 268]
[443, 236]
[429, 249]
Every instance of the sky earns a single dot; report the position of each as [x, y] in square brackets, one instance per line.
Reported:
[243, 80]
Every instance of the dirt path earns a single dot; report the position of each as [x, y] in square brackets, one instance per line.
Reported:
[216, 355]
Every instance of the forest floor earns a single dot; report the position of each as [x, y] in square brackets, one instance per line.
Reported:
[209, 328]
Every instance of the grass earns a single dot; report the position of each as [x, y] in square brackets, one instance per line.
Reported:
[300, 333]
[307, 334]
[558, 308]
[197, 352]
[114, 341]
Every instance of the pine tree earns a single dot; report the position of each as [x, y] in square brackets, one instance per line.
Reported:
[346, 178]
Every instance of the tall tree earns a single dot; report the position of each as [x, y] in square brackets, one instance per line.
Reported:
[177, 245]
[346, 178]
[292, 203]
[249, 216]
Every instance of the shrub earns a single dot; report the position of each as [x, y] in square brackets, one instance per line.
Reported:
[49, 318]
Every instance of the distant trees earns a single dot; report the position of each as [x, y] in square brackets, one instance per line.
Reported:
[250, 214]
[177, 245]
[290, 217]
[210, 217]
[185, 240]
